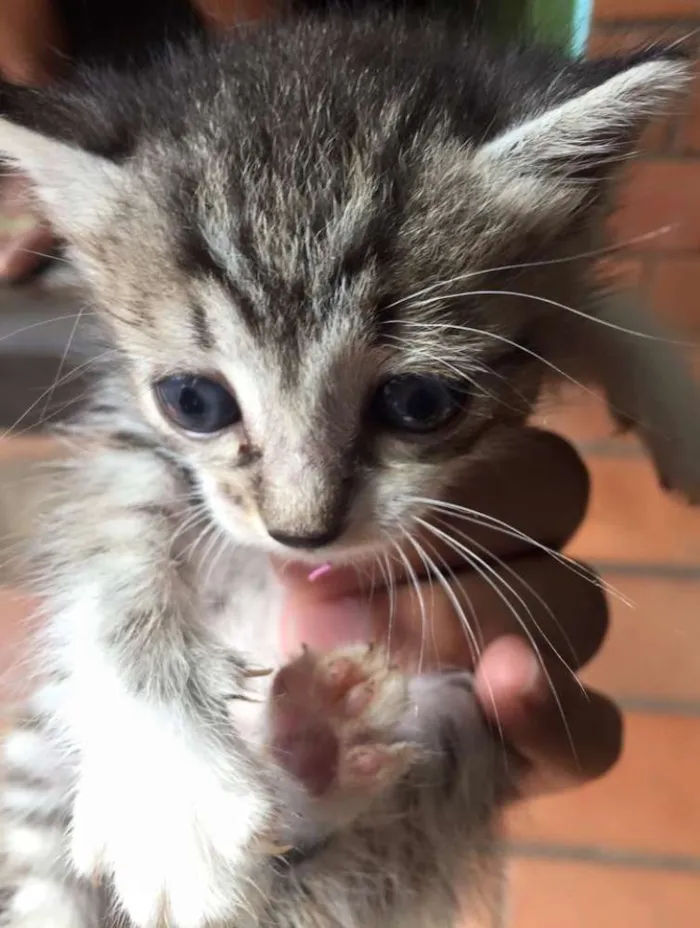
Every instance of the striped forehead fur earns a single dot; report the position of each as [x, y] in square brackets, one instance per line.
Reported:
[310, 177]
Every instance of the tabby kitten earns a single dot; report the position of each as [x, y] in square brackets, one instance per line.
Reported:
[331, 253]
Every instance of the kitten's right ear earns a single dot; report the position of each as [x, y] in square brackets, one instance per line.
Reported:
[563, 155]
[73, 183]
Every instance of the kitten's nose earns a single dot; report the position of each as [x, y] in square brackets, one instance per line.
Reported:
[305, 541]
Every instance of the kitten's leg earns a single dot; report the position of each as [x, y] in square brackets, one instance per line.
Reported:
[37, 889]
[167, 798]
[410, 760]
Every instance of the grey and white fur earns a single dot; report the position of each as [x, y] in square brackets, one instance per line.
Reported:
[302, 213]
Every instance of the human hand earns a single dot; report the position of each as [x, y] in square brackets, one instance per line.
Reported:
[523, 619]
[31, 39]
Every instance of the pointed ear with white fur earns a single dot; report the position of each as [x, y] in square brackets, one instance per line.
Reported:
[73, 185]
[559, 156]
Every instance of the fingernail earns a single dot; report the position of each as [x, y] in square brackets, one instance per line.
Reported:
[325, 626]
[534, 686]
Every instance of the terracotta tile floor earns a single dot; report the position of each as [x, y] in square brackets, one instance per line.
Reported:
[623, 852]
[626, 851]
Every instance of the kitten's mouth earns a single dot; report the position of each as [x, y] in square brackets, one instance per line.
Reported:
[348, 573]
[330, 580]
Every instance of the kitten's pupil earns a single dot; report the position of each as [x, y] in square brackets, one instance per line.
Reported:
[415, 403]
[197, 404]
[420, 405]
[191, 403]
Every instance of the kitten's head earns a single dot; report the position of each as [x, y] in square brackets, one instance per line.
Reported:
[326, 250]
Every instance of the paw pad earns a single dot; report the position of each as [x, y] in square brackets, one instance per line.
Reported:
[332, 721]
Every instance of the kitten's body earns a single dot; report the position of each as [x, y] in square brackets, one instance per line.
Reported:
[125, 766]
[314, 215]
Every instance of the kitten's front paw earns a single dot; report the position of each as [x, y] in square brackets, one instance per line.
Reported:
[168, 866]
[333, 722]
[348, 727]
[169, 825]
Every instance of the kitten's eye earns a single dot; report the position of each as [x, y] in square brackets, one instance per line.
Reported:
[197, 404]
[415, 403]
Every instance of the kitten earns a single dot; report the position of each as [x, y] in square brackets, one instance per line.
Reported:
[331, 253]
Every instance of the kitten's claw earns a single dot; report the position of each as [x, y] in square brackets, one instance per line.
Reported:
[163, 918]
[271, 849]
[253, 672]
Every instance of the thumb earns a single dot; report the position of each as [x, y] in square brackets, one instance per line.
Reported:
[323, 623]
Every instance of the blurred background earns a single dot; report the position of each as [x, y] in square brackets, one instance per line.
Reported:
[624, 851]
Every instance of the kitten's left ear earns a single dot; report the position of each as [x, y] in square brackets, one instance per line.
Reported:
[589, 119]
[73, 183]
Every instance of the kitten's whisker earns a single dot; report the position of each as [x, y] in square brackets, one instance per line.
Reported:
[469, 376]
[504, 565]
[547, 262]
[192, 547]
[462, 375]
[683, 39]
[362, 572]
[477, 634]
[458, 608]
[483, 569]
[64, 356]
[492, 577]
[484, 520]
[50, 415]
[413, 577]
[198, 513]
[87, 364]
[216, 530]
[476, 644]
[49, 256]
[41, 322]
[484, 333]
[647, 336]
[221, 538]
[421, 554]
[385, 567]
[483, 564]
[192, 524]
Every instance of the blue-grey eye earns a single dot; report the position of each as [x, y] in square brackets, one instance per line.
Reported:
[416, 403]
[197, 404]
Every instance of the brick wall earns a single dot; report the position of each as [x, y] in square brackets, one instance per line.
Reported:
[664, 187]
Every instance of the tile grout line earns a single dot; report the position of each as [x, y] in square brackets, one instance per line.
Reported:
[616, 25]
[501, 919]
[677, 863]
[611, 448]
[652, 570]
[650, 705]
